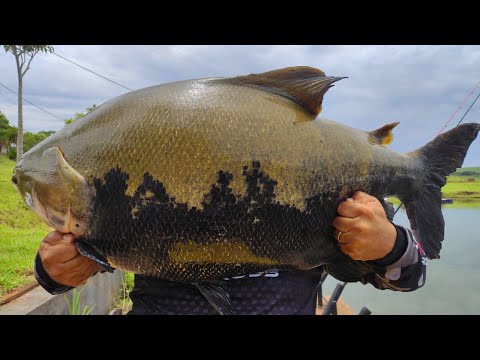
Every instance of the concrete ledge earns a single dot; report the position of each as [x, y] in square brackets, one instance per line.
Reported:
[101, 290]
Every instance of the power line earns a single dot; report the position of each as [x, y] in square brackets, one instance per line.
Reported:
[93, 72]
[83, 67]
[38, 107]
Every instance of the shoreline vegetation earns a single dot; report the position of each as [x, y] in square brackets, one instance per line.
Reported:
[463, 187]
[21, 231]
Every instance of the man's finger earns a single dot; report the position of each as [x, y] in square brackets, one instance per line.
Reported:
[58, 253]
[349, 238]
[362, 197]
[56, 237]
[79, 261]
[351, 209]
[340, 237]
[344, 224]
[53, 238]
[346, 248]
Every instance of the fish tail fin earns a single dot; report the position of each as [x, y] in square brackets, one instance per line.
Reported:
[442, 156]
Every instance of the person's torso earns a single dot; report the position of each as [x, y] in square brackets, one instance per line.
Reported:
[271, 293]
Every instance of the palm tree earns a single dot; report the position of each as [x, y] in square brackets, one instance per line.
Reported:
[24, 55]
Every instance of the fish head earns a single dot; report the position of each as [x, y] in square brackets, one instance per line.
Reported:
[54, 190]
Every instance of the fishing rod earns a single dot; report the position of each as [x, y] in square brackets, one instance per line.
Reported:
[474, 101]
[463, 117]
[459, 107]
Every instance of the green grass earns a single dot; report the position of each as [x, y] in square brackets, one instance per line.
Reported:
[460, 188]
[13, 211]
[464, 203]
[393, 200]
[123, 302]
[17, 252]
[465, 194]
[457, 203]
[74, 305]
[21, 232]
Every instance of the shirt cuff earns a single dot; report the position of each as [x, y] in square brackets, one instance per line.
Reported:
[411, 254]
[397, 252]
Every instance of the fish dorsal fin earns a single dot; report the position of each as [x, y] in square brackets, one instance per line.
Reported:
[302, 84]
[382, 136]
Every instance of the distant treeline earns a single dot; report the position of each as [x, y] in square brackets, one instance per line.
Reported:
[8, 134]
[468, 173]
[29, 140]
[473, 171]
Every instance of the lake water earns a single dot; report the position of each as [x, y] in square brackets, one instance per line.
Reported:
[453, 281]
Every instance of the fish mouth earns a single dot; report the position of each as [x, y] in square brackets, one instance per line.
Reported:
[63, 222]
[55, 191]
[53, 220]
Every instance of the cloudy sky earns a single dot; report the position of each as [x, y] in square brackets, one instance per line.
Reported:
[419, 86]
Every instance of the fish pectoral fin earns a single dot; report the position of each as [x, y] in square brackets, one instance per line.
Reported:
[217, 296]
[382, 136]
[91, 253]
[388, 207]
[302, 84]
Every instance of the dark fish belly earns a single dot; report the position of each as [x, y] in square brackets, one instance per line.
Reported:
[150, 233]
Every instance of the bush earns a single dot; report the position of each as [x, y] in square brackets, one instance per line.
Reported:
[12, 154]
[469, 173]
[29, 141]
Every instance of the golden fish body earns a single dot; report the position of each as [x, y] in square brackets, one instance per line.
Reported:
[202, 179]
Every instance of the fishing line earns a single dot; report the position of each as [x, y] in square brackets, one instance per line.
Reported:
[474, 101]
[459, 107]
[451, 117]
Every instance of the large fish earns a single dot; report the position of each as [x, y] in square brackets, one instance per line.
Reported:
[199, 180]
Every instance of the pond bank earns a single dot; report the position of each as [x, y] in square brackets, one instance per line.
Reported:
[98, 294]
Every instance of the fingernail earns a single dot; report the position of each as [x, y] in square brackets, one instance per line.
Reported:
[349, 199]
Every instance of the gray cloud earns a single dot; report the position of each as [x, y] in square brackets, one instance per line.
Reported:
[420, 86]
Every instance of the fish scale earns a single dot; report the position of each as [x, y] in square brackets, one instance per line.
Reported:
[199, 180]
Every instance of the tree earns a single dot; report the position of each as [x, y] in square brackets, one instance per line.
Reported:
[4, 126]
[30, 140]
[4, 123]
[79, 115]
[24, 55]
[7, 133]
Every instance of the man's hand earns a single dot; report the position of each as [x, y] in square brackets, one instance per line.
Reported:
[63, 262]
[366, 233]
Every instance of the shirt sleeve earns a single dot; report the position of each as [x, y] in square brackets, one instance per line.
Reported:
[45, 280]
[406, 273]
